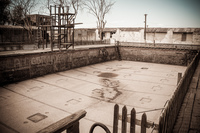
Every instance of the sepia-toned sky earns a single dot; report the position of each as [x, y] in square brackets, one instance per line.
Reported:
[161, 13]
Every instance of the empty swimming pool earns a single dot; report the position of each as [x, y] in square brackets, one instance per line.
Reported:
[33, 104]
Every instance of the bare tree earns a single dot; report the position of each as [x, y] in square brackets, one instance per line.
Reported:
[73, 5]
[24, 7]
[76, 4]
[17, 15]
[45, 5]
[99, 8]
[4, 11]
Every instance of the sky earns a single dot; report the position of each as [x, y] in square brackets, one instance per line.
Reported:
[160, 13]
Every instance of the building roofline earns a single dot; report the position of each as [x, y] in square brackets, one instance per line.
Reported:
[14, 27]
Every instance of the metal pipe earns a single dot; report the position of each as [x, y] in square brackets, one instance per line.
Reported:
[145, 26]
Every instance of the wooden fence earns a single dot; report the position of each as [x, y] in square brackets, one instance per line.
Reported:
[132, 120]
[124, 118]
[169, 115]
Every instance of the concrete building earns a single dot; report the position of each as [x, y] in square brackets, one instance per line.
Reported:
[154, 35]
[34, 18]
[16, 37]
[88, 36]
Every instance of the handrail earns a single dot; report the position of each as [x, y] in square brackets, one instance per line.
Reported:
[64, 123]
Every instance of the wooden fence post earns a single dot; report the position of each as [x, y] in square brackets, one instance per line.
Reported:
[160, 124]
[143, 123]
[74, 128]
[115, 119]
[133, 117]
[124, 119]
[179, 77]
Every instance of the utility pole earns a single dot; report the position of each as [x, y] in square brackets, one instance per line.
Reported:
[145, 26]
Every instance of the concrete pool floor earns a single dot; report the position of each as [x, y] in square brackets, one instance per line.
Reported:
[31, 105]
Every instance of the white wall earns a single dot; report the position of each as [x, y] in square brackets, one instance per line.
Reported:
[159, 37]
[129, 35]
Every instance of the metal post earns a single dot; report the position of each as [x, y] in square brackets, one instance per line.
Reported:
[51, 42]
[73, 35]
[64, 19]
[55, 17]
[42, 33]
[39, 32]
[67, 24]
[145, 26]
[46, 35]
[59, 28]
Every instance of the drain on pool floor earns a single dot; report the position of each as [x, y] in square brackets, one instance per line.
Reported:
[145, 68]
[37, 117]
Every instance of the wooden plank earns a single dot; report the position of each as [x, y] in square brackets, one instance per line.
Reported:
[143, 123]
[66, 43]
[132, 124]
[115, 119]
[64, 123]
[165, 121]
[160, 124]
[44, 25]
[170, 118]
[66, 25]
[73, 129]
[124, 119]
[66, 14]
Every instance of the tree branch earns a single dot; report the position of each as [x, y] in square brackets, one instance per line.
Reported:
[99, 8]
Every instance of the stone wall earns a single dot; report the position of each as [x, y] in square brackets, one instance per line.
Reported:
[25, 66]
[157, 55]
[20, 67]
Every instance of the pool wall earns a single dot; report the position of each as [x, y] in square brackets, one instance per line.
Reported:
[18, 67]
[157, 55]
